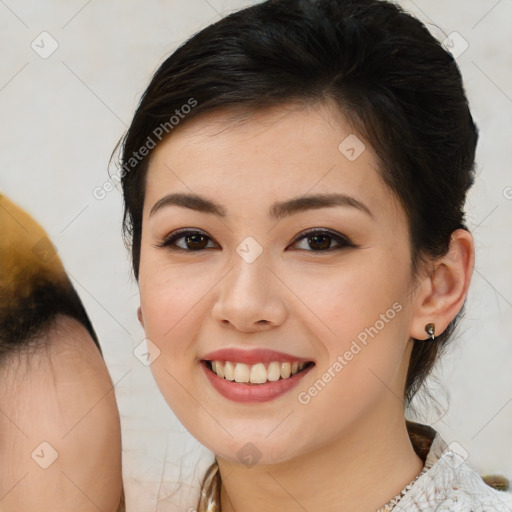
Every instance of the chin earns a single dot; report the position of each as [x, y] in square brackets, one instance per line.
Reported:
[249, 442]
[249, 451]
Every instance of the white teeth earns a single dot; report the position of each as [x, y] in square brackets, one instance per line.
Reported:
[242, 372]
[286, 370]
[229, 371]
[218, 369]
[257, 373]
[273, 372]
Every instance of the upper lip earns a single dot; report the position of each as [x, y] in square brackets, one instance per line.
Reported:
[251, 356]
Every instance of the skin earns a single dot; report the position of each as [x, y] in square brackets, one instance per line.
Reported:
[61, 394]
[295, 299]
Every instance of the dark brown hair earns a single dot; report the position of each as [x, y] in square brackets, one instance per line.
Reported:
[397, 85]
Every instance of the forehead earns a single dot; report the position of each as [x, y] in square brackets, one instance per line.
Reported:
[267, 156]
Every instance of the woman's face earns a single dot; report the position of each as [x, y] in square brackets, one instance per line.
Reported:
[274, 282]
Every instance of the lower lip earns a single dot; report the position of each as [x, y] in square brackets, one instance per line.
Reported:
[253, 393]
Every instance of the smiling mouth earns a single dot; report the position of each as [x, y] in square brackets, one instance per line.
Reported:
[259, 373]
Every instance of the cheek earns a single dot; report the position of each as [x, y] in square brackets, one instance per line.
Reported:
[366, 293]
[363, 329]
[173, 302]
[168, 298]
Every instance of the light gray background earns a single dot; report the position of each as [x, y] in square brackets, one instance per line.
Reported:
[61, 117]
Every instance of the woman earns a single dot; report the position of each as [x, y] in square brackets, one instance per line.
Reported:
[60, 438]
[294, 182]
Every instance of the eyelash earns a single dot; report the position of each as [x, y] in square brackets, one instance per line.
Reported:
[342, 240]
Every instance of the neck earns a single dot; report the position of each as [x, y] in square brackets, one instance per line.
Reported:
[361, 471]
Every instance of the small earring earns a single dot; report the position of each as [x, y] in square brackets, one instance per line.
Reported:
[430, 329]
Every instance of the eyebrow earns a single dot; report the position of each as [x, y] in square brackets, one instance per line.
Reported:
[277, 211]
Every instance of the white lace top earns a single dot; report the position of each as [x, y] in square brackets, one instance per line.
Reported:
[451, 485]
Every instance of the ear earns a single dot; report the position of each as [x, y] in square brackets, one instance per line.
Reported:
[441, 294]
[140, 317]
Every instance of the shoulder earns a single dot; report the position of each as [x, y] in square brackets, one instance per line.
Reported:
[452, 485]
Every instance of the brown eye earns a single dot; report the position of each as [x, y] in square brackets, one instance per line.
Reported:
[320, 241]
[195, 241]
[191, 241]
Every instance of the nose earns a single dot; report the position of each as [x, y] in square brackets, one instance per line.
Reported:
[250, 297]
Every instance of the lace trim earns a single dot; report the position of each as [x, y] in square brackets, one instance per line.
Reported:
[390, 505]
